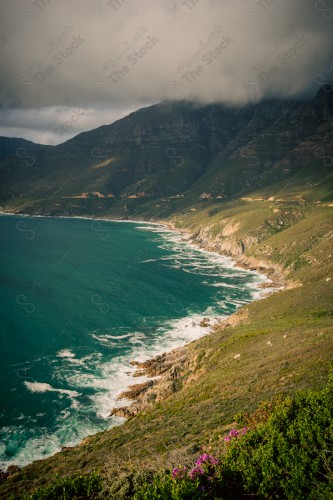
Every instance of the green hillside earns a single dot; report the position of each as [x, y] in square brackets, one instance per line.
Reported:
[284, 342]
[253, 183]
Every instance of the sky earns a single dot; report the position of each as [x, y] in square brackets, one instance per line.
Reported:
[72, 65]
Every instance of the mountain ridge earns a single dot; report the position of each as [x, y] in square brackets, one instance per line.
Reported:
[171, 149]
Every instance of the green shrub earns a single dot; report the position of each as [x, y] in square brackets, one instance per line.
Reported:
[288, 454]
[72, 488]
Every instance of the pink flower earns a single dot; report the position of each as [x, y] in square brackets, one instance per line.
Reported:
[178, 472]
[195, 472]
[175, 472]
[227, 438]
[207, 459]
[233, 433]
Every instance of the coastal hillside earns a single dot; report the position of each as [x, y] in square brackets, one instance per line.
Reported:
[253, 183]
[272, 347]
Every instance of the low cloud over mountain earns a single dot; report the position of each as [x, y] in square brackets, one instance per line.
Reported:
[70, 66]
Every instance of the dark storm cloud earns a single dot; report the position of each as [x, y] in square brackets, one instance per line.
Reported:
[104, 57]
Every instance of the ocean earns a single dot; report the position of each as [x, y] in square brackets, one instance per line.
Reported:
[79, 300]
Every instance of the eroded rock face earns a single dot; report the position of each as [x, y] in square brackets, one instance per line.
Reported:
[234, 245]
[136, 390]
[125, 411]
[157, 366]
[12, 469]
[172, 370]
[168, 367]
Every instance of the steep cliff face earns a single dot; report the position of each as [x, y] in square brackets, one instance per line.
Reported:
[284, 143]
[169, 121]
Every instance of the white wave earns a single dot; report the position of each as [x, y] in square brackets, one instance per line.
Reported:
[112, 337]
[107, 339]
[224, 285]
[187, 250]
[108, 380]
[182, 331]
[37, 386]
[44, 387]
[75, 361]
[155, 228]
[119, 337]
[69, 356]
[104, 340]
[39, 443]
[65, 353]
[137, 338]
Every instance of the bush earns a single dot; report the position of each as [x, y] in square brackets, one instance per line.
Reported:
[288, 454]
[72, 488]
[291, 454]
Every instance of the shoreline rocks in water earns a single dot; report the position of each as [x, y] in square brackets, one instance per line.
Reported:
[134, 391]
[169, 371]
[205, 323]
[11, 471]
[168, 368]
[236, 251]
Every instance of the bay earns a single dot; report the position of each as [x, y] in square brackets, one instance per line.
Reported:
[81, 298]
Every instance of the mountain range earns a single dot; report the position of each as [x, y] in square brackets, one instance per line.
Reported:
[176, 156]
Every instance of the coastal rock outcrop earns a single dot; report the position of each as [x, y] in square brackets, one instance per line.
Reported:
[167, 370]
[170, 372]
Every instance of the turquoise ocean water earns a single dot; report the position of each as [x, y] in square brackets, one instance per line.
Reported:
[81, 298]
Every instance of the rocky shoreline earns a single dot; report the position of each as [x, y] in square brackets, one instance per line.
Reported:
[235, 250]
[166, 372]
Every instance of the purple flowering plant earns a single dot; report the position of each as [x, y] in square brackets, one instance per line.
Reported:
[205, 472]
[179, 472]
[234, 433]
[207, 459]
[196, 472]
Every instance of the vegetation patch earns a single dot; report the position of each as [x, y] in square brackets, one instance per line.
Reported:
[283, 451]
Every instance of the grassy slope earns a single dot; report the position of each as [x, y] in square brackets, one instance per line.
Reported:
[297, 323]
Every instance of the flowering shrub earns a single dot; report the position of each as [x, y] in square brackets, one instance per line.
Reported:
[207, 460]
[202, 475]
[179, 472]
[234, 434]
[196, 472]
[287, 455]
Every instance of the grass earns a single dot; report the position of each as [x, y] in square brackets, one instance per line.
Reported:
[284, 341]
